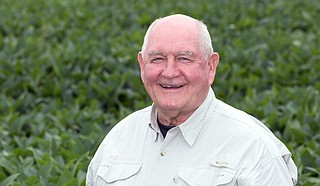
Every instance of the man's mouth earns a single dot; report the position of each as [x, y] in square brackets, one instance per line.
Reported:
[171, 86]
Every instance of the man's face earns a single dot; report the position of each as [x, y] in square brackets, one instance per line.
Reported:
[174, 71]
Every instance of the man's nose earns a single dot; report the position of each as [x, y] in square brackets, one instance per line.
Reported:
[171, 69]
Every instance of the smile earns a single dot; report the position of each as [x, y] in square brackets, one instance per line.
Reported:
[171, 86]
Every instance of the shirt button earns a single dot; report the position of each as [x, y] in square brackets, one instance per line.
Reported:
[162, 153]
[175, 180]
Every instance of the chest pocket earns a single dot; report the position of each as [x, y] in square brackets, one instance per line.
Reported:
[205, 177]
[118, 172]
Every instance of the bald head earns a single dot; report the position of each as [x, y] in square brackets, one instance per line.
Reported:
[180, 23]
[178, 20]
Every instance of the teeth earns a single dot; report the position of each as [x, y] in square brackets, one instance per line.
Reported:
[171, 86]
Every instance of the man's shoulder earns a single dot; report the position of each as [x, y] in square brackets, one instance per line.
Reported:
[248, 126]
[231, 113]
[242, 121]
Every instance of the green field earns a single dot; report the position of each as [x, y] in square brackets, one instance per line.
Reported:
[68, 73]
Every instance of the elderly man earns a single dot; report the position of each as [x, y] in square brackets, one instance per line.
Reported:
[188, 136]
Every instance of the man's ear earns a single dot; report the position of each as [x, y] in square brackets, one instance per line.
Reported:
[141, 64]
[213, 64]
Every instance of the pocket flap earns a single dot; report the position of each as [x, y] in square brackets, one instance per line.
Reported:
[196, 176]
[223, 178]
[203, 177]
[225, 170]
[112, 172]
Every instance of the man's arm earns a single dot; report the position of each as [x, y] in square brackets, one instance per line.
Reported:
[272, 171]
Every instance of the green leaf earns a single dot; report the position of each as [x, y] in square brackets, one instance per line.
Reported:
[9, 180]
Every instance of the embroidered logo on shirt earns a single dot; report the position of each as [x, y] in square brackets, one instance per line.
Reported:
[222, 163]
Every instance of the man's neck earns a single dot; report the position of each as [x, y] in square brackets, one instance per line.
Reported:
[173, 118]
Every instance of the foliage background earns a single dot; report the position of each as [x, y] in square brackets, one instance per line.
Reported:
[68, 73]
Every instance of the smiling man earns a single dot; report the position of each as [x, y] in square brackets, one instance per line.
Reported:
[188, 136]
[176, 71]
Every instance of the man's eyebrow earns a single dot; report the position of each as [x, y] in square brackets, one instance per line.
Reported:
[155, 53]
[188, 53]
[181, 53]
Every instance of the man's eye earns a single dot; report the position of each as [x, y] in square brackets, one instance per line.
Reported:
[158, 60]
[184, 60]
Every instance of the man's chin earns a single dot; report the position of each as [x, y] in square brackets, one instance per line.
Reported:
[170, 106]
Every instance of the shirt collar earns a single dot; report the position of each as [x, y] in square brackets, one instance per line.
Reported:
[153, 122]
[190, 129]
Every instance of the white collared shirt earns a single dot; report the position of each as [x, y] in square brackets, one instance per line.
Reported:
[217, 145]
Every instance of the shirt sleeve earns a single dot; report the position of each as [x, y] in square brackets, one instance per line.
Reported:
[279, 170]
[273, 164]
[276, 172]
[91, 175]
